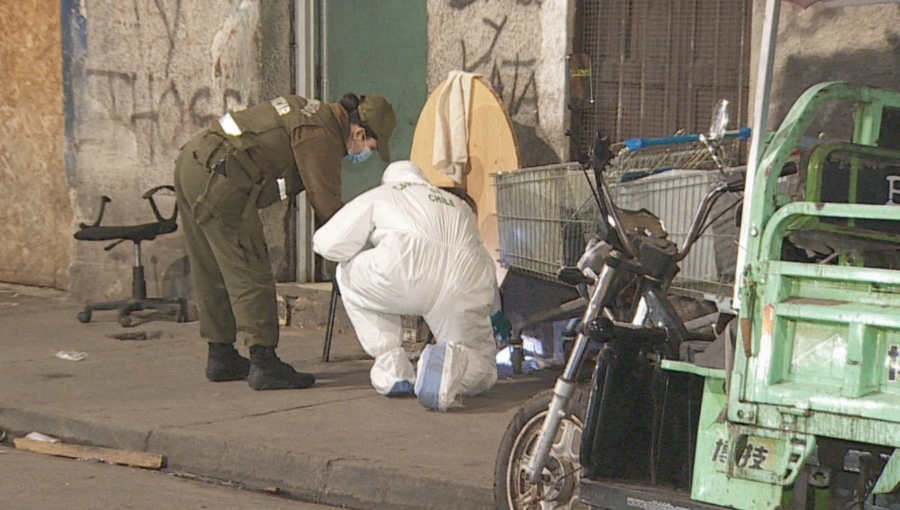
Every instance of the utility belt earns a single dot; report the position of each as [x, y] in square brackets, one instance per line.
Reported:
[242, 177]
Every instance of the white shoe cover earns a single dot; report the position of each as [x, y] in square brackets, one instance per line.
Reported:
[441, 367]
[389, 369]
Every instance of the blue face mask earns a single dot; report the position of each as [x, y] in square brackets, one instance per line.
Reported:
[359, 157]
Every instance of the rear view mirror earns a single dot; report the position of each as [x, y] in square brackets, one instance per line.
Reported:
[572, 276]
[719, 120]
[579, 82]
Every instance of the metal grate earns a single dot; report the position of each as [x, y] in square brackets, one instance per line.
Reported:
[661, 65]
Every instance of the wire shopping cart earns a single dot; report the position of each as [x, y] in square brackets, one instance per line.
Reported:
[547, 214]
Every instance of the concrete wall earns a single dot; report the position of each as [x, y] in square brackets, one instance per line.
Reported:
[276, 39]
[855, 44]
[520, 47]
[146, 76]
[35, 214]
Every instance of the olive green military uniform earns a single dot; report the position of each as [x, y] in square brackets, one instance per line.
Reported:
[250, 160]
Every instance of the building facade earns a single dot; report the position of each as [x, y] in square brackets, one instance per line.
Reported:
[99, 95]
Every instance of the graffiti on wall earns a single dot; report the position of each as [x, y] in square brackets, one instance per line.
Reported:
[462, 4]
[502, 45]
[156, 95]
[156, 106]
[511, 73]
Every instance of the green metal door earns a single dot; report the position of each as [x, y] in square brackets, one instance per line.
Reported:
[377, 48]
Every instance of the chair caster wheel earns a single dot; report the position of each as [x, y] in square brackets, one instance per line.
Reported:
[125, 321]
[84, 316]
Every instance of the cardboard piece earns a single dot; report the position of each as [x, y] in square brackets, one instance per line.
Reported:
[74, 451]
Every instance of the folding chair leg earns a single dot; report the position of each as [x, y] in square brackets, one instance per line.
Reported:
[332, 309]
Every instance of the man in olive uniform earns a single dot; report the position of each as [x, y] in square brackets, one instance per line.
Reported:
[249, 160]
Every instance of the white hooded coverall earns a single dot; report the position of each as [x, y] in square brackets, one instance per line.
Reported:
[409, 248]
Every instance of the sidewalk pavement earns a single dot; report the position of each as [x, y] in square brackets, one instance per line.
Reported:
[339, 443]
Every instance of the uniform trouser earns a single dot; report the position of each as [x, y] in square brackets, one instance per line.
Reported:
[233, 282]
[465, 326]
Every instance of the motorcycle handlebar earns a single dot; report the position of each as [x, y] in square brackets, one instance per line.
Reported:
[706, 205]
[732, 183]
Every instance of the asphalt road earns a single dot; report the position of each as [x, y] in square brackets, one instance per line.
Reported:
[31, 481]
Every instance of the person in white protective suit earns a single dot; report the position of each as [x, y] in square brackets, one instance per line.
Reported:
[409, 248]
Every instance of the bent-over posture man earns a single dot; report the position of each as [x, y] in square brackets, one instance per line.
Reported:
[249, 160]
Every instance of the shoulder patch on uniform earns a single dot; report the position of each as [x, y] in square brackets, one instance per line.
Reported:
[229, 126]
[312, 106]
[281, 106]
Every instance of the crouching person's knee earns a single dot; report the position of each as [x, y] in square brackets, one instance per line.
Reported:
[480, 374]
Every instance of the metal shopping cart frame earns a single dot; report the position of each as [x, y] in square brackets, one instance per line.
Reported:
[547, 214]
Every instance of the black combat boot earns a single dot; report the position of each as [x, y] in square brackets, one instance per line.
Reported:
[267, 372]
[225, 364]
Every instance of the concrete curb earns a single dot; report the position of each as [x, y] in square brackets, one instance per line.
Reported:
[350, 482]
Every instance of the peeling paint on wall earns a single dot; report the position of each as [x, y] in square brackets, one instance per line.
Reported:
[233, 51]
[35, 214]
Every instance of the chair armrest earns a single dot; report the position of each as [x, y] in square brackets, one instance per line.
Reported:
[149, 196]
[103, 201]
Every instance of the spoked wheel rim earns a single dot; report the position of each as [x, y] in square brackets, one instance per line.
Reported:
[558, 488]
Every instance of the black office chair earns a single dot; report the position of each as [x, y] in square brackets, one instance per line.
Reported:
[136, 234]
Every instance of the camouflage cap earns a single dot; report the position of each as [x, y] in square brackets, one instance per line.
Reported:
[377, 113]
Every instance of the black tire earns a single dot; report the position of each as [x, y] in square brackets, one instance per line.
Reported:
[84, 316]
[521, 436]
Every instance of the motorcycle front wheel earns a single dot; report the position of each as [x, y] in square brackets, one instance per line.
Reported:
[558, 486]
